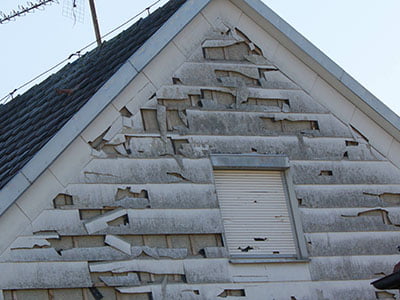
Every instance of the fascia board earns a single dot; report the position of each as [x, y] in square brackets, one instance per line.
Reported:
[98, 102]
[322, 65]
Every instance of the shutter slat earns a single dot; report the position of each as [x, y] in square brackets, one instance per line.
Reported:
[253, 205]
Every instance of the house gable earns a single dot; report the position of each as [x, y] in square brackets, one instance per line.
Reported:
[150, 147]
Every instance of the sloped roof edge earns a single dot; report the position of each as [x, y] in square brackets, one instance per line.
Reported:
[265, 17]
[98, 102]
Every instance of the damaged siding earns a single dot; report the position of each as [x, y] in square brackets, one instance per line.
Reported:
[142, 219]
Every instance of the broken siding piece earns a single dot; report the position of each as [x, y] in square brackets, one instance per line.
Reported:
[126, 247]
[175, 221]
[295, 147]
[34, 255]
[45, 275]
[195, 270]
[351, 267]
[389, 215]
[100, 223]
[149, 266]
[188, 72]
[299, 101]
[93, 254]
[177, 291]
[118, 243]
[137, 171]
[274, 79]
[74, 254]
[330, 196]
[182, 195]
[148, 221]
[170, 195]
[149, 147]
[207, 271]
[231, 123]
[131, 279]
[217, 43]
[28, 242]
[352, 243]
[215, 252]
[117, 127]
[175, 253]
[64, 222]
[345, 172]
[347, 220]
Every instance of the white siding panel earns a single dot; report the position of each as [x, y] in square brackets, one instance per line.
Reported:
[254, 212]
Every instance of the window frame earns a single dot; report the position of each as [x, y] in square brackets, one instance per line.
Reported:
[261, 162]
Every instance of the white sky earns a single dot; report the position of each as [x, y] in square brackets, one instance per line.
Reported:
[362, 36]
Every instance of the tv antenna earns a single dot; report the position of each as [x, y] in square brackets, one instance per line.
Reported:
[75, 9]
[24, 9]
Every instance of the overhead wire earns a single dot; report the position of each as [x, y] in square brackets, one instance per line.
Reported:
[6, 98]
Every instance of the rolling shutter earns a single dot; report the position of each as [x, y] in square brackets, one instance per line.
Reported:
[254, 212]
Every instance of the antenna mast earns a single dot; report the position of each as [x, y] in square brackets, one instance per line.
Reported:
[95, 22]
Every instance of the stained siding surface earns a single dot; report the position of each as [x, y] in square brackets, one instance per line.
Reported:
[254, 212]
[141, 218]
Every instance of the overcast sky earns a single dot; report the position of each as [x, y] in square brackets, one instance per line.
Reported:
[362, 36]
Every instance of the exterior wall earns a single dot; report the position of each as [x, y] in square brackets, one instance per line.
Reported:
[130, 209]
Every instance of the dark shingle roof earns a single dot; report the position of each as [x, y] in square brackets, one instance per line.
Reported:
[30, 120]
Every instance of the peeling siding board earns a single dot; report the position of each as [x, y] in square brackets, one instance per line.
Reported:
[208, 271]
[132, 171]
[360, 195]
[178, 221]
[175, 221]
[166, 195]
[131, 279]
[345, 172]
[270, 272]
[155, 267]
[295, 147]
[349, 219]
[351, 267]
[264, 124]
[44, 275]
[300, 102]
[352, 243]
[64, 222]
[28, 242]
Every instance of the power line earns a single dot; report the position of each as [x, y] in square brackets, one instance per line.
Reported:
[22, 10]
[10, 96]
